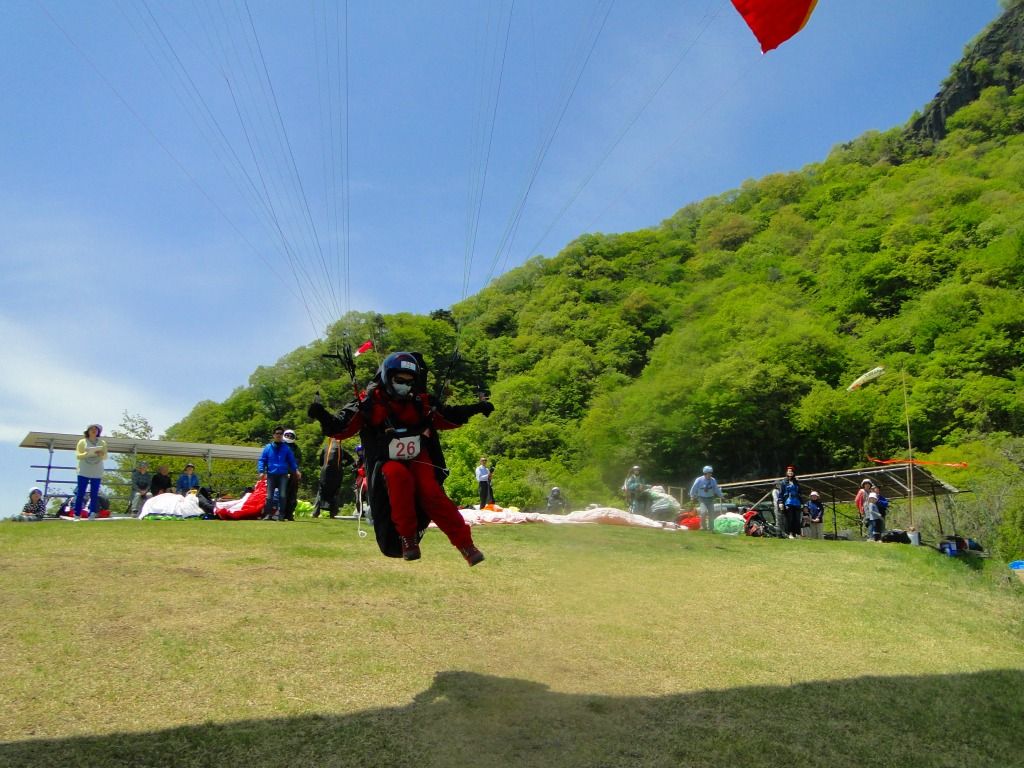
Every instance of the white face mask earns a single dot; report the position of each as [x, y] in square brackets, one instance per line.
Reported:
[401, 389]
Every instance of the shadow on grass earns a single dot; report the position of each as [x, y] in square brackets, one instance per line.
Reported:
[466, 719]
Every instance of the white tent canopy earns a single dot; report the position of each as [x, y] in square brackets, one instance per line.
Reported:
[55, 441]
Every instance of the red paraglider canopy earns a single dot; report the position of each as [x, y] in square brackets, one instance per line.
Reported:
[773, 22]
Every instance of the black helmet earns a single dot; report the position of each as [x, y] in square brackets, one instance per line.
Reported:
[399, 362]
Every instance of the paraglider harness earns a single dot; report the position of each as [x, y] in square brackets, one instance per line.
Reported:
[388, 441]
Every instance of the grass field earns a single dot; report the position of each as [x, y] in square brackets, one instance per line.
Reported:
[272, 644]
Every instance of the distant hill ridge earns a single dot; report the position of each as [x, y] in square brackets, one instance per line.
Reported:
[1003, 44]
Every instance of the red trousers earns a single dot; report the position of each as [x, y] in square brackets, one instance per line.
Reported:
[413, 481]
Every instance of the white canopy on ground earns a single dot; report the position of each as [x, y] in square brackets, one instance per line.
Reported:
[597, 515]
[172, 505]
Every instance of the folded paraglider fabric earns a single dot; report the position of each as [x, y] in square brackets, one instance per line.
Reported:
[249, 507]
[171, 505]
[597, 515]
[729, 523]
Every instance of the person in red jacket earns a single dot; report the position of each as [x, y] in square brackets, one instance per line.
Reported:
[398, 422]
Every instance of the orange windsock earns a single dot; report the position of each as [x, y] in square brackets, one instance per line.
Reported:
[773, 22]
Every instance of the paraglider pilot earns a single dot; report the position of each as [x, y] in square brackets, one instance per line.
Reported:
[398, 421]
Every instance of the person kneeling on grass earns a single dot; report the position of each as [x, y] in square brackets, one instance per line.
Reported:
[398, 422]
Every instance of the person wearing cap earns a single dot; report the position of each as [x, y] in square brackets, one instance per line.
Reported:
[292, 498]
[703, 492]
[790, 503]
[815, 515]
[873, 517]
[188, 480]
[142, 478]
[633, 488]
[35, 507]
[91, 451]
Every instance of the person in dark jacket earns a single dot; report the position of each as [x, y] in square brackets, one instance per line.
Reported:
[292, 500]
[790, 503]
[815, 515]
[398, 422]
[557, 503]
[333, 460]
[161, 482]
[276, 463]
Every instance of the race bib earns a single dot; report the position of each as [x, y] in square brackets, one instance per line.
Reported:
[404, 448]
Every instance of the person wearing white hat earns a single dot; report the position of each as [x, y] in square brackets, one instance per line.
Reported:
[873, 517]
[35, 507]
[292, 496]
[704, 491]
[815, 515]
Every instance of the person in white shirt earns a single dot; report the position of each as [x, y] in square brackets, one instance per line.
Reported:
[704, 491]
[483, 479]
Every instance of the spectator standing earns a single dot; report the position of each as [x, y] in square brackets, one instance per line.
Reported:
[483, 480]
[91, 452]
[703, 492]
[873, 517]
[861, 498]
[633, 490]
[883, 508]
[187, 480]
[288, 513]
[790, 503]
[276, 463]
[815, 514]
[161, 482]
[142, 478]
[333, 460]
[557, 503]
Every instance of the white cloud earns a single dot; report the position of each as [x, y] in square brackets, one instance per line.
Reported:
[42, 391]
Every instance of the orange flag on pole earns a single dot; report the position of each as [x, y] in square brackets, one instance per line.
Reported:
[773, 22]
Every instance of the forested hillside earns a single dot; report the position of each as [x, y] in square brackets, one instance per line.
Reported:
[728, 333]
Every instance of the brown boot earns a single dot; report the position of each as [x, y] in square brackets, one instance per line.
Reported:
[472, 555]
[410, 548]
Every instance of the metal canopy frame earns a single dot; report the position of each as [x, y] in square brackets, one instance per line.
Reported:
[842, 486]
[56, 441]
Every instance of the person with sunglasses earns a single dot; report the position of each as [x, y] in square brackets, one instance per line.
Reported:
[276, 464]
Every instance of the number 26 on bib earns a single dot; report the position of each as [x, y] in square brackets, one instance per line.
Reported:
[404, 448]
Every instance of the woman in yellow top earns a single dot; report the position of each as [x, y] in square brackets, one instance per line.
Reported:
[91, 452]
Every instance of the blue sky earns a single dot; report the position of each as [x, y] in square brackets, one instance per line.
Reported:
[174, 174]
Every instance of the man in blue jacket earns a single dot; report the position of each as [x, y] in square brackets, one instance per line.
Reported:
[276, 463]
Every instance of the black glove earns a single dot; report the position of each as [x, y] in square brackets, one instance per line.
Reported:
[486, 407]
[316, 410]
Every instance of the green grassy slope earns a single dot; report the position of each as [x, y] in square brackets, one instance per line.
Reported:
[269, 644]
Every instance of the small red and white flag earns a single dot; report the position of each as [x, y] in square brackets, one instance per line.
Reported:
[366, 346]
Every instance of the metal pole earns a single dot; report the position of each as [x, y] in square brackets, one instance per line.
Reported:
[935, 500]
[49, 465]
[910, 454]
[835, 520]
